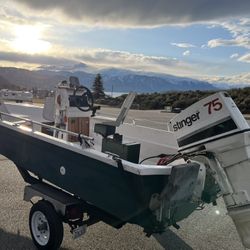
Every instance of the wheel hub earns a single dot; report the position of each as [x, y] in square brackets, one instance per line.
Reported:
[40, 228]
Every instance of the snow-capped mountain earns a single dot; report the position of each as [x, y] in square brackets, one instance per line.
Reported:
[117, 79]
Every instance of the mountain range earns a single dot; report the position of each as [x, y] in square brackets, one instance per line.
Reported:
[5, 84]
[118, 80]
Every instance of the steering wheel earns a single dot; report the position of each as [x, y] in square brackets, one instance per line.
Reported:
[86, 97]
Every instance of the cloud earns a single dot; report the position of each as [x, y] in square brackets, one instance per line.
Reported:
[245, 58]
[127, 60]
[237, 27]
[240, 31]
[140, 13]
[239, 41]
[218, 42]
[183, 45]
[235, 55]
[186, 53]
[34, 59]
[243, 78]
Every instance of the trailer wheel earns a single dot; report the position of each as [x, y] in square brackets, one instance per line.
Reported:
[46, 227]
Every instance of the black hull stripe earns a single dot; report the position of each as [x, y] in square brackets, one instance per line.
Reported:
[216, 139]
[218, 129]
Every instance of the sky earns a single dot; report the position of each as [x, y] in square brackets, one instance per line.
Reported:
[203, 39]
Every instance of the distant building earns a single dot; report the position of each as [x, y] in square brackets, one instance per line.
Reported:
[41, 93]
[17, 96]
[168, 109]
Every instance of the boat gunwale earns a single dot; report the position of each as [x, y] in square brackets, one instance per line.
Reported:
[138, 169]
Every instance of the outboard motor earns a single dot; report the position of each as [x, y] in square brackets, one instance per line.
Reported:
[214, 131]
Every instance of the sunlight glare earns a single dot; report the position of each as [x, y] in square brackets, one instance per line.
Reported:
[27, 40]
[217, 212]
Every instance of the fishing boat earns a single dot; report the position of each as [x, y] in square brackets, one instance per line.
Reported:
[87, 169]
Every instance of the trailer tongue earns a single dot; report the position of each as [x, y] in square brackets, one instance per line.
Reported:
[74, 176]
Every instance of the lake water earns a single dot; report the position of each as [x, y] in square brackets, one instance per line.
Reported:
[115, 94]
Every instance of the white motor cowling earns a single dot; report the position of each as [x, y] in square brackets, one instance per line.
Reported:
[216, 126]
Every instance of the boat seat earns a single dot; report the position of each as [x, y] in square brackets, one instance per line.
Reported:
[108, 128]
[104, 130]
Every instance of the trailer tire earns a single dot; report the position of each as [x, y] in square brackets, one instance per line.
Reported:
[45, 225]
